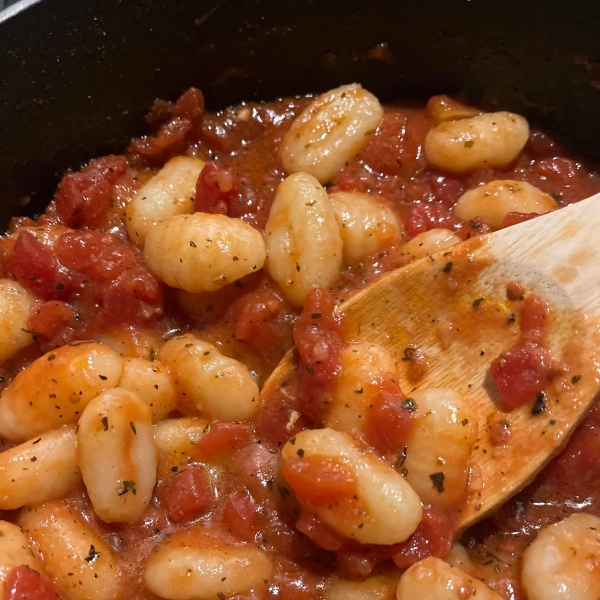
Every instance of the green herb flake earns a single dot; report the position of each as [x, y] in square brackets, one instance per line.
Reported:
[92, 554]
[448, 267]
[105, 423]
[540, 404]
[409, 404]
[575, 379]
[300, 453]
[128, 486]
[469, 144]
[477, 303]
[132, 427]
[438, 480]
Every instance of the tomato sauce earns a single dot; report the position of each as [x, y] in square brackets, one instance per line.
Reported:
[93, 282]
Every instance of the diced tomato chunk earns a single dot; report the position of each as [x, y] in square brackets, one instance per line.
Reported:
[320, 479]
[83, 198]
[319, 337]
[168, 140]
[23, 583]
[523, 371]
[215, 188]
[187, 495]
[50, 318]
[190, 105]
[433, 537]
[225, 437]
[424, 217]
[37, 269]
[395, 150]
[241, 515]
[319, 533]
[388, 421]
[135, 297]
[255, 311]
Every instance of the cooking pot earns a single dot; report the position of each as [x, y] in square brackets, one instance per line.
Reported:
[78, 76]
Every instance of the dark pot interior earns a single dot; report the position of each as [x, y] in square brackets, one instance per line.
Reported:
[77, 77]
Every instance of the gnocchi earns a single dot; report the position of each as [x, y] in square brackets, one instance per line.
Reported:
[428, 243]
[330, 132]
[377, 506]
[366, 224]
[363, 366]
[303, 239]
[15, 550]
[433, 579]
[209, 383]
[81, 564]
[564, 561]
[170, 192]
[117, 456]
[176, 441]
[16, 306]
[488, 140]
[494, 201]
[193, 566]
[42, 469]
[439, 447]
[55, 388]
[152, 383]
[203, 252]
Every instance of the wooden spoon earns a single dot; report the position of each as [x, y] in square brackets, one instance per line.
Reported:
[453, 307]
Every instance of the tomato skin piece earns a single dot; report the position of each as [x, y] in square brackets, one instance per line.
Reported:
[320, 479]
[318, 335]
[215, 189]
[23, 583]
[83, 198]
[223, 438]
[388, 421]
[241, 515]
[433, 537]
[319, 533]
[187, 495]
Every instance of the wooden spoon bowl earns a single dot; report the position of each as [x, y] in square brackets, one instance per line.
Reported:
[452, 307]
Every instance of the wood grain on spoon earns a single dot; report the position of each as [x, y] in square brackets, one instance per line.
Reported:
[454, 309]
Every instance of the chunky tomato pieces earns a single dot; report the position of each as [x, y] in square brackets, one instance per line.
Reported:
[524, 371]
[101, 275]
[319, 533]
[388, 422]
[187, 496]
[23, 583]
[318, 335]
[241, 515]
[433, 537]
[319, 479]
[83, 198]
[216, 188]
[223, 438]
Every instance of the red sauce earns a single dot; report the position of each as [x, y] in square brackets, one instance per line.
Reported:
[92, 280]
